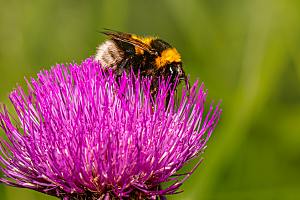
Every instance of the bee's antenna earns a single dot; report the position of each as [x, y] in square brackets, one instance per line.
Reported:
[187, 83]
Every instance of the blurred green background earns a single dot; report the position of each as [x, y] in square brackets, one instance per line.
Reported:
[246, 52]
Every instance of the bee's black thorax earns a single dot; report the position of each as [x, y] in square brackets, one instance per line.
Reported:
[160, 45]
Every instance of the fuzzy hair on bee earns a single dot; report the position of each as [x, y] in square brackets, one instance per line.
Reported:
[149, 56]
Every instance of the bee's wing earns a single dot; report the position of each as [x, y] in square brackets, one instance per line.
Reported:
[127, 37]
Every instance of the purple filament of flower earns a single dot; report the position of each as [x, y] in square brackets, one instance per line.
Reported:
[81, 131]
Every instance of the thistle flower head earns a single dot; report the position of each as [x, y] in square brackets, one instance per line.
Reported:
[82, 133]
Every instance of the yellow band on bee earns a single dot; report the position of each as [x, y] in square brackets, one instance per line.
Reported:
[145, 40]
[168, 56]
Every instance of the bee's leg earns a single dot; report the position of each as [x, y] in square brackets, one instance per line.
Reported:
[122, 67]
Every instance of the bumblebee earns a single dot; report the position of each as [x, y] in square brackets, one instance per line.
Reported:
[150, 56]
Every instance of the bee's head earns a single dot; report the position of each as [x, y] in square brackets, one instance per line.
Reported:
[175, 71]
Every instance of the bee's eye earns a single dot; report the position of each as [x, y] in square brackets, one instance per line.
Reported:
[171, 70]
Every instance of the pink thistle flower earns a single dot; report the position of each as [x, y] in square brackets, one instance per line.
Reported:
[82, 134]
